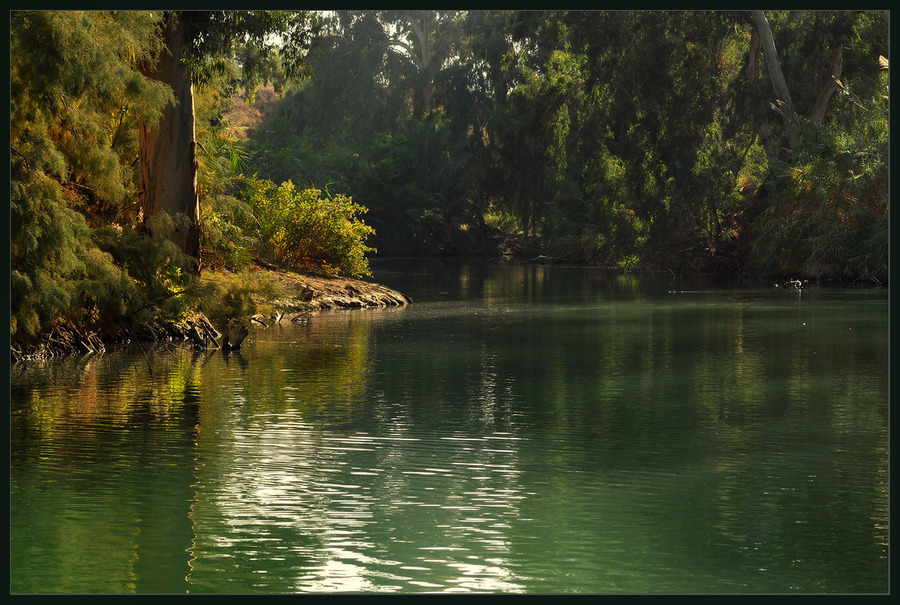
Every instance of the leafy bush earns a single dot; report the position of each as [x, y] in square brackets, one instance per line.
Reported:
[309, 229]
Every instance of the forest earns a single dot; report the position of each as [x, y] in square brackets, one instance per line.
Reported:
[158, 158]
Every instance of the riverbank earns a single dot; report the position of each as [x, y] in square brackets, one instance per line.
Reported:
[300, 294]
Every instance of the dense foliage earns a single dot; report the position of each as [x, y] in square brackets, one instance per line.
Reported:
[644, 138]
[619, 138]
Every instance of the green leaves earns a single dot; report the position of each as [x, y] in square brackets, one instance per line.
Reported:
[309, 230]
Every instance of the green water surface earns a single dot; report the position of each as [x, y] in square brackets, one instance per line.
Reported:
[517, 429]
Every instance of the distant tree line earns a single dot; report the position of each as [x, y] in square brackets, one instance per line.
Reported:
[715, 141]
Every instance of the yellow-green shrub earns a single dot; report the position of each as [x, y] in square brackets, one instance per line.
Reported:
[308, 229]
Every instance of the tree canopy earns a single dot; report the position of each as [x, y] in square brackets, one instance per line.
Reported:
[662, 138]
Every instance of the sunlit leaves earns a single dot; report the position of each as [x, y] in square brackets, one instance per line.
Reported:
[309, 229]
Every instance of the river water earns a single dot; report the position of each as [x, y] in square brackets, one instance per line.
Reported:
[517, 429]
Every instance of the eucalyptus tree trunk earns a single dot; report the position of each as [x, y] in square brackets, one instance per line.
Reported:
[425, 57]
[782, 102]
[764, 129]
[773, 65]
[168, 158]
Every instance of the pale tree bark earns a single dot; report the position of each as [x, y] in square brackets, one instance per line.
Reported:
[773, 65]
[782, 102]
[426, 56]
[765, 131]
[168, 151]
[423, 52]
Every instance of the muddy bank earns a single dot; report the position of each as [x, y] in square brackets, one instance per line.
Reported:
[307, 293]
